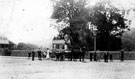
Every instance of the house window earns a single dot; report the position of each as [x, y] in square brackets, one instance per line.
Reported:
[57, 46]
[54, 46]
[62, 46]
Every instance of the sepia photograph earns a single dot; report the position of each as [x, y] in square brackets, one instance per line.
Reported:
[67, 39]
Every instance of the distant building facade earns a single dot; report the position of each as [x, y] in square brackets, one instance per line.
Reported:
[4, 46]
[59, 44]
[4, 42]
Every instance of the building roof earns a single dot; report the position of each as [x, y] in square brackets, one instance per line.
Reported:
[58, 41]
[4, 41]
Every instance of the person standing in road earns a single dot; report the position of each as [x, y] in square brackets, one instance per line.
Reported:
[33, 55]
[44, 54]
[29, 54]
[95, 56]
[48, 52]
[83, 53]
[122, 55]
[39, 54]
[107, 55]
[111, 57]
[91, 55]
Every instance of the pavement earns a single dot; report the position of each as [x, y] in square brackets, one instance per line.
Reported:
[24, 68]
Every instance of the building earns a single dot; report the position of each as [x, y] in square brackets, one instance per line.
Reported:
[60, 49]
[59, 44]
[4, 42]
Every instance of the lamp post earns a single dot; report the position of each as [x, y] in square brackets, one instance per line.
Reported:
[94, 30]
[95, 42]
[94, 33]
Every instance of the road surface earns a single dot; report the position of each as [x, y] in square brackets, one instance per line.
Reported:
[24, 68]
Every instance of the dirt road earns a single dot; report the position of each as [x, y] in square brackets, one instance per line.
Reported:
[24, 68]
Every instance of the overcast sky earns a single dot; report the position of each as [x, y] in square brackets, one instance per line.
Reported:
[28, 20]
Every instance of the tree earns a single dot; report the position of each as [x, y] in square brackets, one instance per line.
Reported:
[12, 45]
[24, 46]
[105, 17]
[75, 16]
[128, 40]
[110, 23]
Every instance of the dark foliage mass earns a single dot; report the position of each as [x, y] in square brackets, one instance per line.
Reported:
[107, 19]
[128, 40]
[111, 25]
[25, 46]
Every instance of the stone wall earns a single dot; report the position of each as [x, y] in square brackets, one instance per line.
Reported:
[22, 53]
[116, 54]
[128, 55]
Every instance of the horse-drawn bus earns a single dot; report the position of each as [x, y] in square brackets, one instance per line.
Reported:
[60, 49]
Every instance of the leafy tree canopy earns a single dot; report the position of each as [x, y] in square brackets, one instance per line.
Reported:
[108, 20]
[25, 46]
[128, 40]
[75, 14]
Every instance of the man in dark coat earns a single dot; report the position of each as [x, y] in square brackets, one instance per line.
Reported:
[95, 56]
[122, 55]
[33, 55]
[71, 54]
[74, 54]
[83, 53]
[29, 55]
[91, 55]
[57, 54]
[111, 57]
[39, 54]
[105, 55]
